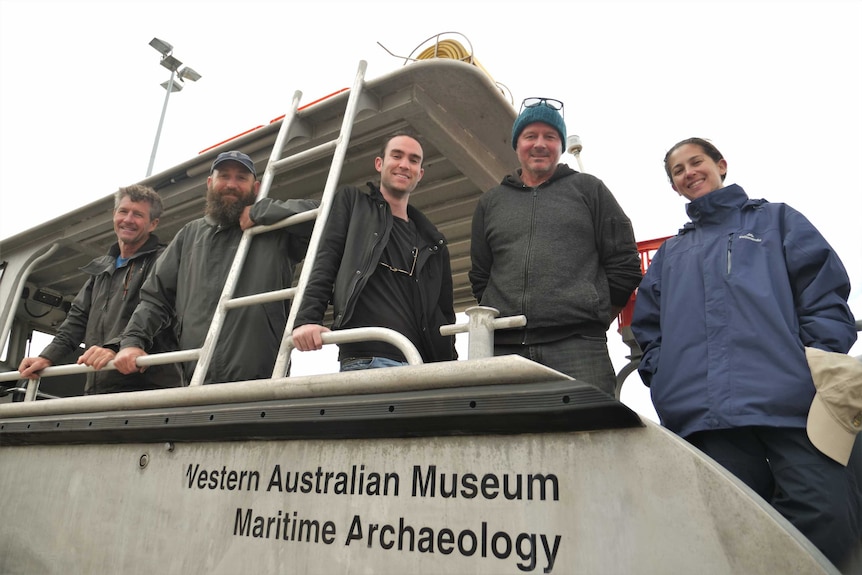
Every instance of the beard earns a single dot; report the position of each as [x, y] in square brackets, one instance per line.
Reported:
[226, 212]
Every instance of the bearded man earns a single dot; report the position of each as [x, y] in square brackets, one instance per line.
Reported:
[189, 278]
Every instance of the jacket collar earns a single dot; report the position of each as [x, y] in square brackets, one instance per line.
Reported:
[515, 181]
[715, 206]
[150, 245]
[108, 262]
[426, 229]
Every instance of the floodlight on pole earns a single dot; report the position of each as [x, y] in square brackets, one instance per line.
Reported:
[163, 47]
[171, 63]
[189, 74]
[174, 84]
[171, 86]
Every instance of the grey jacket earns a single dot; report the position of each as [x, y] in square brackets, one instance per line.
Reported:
[562, 254]
[189, 279]
[100, 312]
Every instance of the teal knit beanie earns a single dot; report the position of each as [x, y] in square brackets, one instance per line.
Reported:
[540, 113]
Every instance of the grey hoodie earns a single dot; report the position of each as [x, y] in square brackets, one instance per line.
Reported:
[561, 254]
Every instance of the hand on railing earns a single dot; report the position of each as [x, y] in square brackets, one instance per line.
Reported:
[384, 334]
[31, 367]
[125, 362]
[309, 337]
[96, 357]
[245, 221]
[73, 369]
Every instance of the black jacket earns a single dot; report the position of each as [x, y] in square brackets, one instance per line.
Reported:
[100, 313]
[357, 231]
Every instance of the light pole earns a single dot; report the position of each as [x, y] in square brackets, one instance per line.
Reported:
[174, 84]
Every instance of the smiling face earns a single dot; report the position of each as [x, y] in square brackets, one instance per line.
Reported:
[539, 149]
[694, 173]
[132, 224]
[400, 167]
[230, 188]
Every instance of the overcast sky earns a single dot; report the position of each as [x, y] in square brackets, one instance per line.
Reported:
[777, 86]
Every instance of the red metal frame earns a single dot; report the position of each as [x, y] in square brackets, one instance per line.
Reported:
[646, 249]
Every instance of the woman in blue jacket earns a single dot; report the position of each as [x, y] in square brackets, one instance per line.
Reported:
[723, 315]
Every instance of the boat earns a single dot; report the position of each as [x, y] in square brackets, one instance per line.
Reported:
[481, 465]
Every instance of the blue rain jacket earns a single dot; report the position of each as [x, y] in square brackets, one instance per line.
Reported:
[726, 308]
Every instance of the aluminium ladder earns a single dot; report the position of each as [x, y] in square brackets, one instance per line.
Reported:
[357, 101]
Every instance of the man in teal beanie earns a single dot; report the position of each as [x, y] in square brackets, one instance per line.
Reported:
[554, 245]
[539, 110]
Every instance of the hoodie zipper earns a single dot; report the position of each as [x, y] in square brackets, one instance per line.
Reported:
[729, 252]
[535, 194]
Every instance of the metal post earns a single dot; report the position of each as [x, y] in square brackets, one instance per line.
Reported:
[483, 321]
[481, 330]
[161, 121]
[32, 389]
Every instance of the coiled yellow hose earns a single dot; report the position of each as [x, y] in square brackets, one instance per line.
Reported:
[453, 50]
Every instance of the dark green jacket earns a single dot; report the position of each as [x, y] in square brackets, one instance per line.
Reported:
[188, 282]
[100, 313]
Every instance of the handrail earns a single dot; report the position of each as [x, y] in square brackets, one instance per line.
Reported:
[75, 369]
[448, 374]
[483, 322]
[39, 395]
[384, 334]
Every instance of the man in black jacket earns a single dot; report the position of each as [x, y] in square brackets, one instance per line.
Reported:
[381, 263]
[106, 302]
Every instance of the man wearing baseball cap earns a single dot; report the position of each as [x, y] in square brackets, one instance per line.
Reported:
[190, 275]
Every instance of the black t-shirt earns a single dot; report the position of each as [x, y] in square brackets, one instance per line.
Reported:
[390, 297]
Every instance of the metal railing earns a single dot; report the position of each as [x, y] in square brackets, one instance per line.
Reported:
[483, 321]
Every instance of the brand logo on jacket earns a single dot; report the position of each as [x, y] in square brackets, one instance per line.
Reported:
[750, 236]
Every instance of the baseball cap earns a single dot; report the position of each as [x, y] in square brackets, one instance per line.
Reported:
[234, 156]
[835, 417]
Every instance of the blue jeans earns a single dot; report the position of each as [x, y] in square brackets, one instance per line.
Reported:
[357, 363]
[583, 357]
[818, 496]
